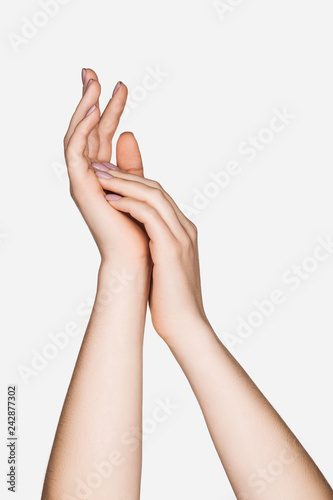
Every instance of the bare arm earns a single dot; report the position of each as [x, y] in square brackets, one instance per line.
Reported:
[261, 456]
[97, 447]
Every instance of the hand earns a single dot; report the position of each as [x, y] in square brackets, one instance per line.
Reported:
[89, 141]
[175, 295]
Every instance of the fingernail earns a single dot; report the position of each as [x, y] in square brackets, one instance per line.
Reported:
[110, 166]
[91, 110]
[116, 88]
[89, 83]
[113, 197]
[83, 74]
[103, 175]
[99, 166]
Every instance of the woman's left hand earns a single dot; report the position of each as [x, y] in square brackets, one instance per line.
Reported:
[88, 147]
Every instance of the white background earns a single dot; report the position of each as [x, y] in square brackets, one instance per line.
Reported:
[223, 77]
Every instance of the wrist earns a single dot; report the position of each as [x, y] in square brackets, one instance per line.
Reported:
[140, 268]
[117, 276]
[186, 329]
[195, 342]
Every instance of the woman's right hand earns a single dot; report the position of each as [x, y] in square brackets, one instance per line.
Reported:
[88, 152]
[175, 294]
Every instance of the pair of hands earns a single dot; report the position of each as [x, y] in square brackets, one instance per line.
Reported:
[137, 223]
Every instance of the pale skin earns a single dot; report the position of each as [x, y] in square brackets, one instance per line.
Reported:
[142, 234]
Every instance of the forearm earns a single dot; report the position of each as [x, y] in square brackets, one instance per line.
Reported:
[261, 456]
[103, 406]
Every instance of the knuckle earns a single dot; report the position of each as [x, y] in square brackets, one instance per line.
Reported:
[186, 243]
[193, 229]
[152, 213]
[156, 185]
[181, 248]
[158, 195]
[105, 127]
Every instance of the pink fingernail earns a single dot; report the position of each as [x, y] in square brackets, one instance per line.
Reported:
[116, 88]
[110, 166]
[89, 83]
[83, 74]
[91, 110]
[103, 175]
[99, 166]
[113, 197]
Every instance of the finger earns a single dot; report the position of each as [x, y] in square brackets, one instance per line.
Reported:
[149, 195]
[74, 151]
[89, 99]
[156, 228]
[185, 222]
[87, 75]
[128, 154]
[110, 120]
